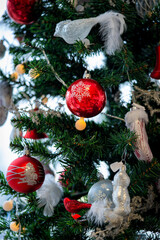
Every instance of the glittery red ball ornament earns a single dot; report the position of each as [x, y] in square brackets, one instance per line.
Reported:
[85, 98]
[25, 174]
[23, 11]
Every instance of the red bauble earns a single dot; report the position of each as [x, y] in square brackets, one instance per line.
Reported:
[23, 11]
[25, 174]
[85, 98]
[156, 72]
[33, 134]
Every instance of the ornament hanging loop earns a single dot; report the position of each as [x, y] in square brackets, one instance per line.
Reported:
[124, 155]
[87, 74]
[26, 150]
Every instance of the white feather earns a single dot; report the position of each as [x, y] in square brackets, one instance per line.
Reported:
[97, 211]
[49, 195]
[112, 25]
[137, 114]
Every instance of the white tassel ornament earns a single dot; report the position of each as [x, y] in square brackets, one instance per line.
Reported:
[135, 120]
[112, 26]
[50, 193]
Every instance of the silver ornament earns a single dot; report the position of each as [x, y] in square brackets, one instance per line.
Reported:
[100, 190]
[3, 115]
[120, 195]
[2, 49]
[5, 100]
[112, 26]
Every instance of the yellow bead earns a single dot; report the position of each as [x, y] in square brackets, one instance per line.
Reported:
[20, 69]
[8, 205]
[33, 73]
[80, 124]
[14, 76]
[45, 100]
[14, 226]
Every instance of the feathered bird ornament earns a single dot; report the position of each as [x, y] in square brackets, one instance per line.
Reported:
[112, 26]
[74, 206]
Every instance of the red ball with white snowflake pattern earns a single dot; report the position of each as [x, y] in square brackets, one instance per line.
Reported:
[25, 174]
[85, 98]
[23, 11]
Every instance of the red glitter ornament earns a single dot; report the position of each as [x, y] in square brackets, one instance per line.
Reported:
[23, 11]
[85, 98]
[156, 72]
[25, 174]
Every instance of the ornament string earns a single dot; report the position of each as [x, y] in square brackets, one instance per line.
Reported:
[111, 116]
[53, 70]
[124, 155]
[127, 67]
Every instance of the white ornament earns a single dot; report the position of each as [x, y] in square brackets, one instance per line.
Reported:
[49, 194]
[115, 166]
[120, 195]
[135, 121]
[112, 26]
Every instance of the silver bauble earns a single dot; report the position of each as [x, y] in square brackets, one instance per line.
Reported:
[2, 49]
[100, 190]
[5, 100]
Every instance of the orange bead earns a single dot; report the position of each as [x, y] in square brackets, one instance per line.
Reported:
[80, 124]
[20, 69]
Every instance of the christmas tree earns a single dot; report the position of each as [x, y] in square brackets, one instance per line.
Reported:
[55, 38]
